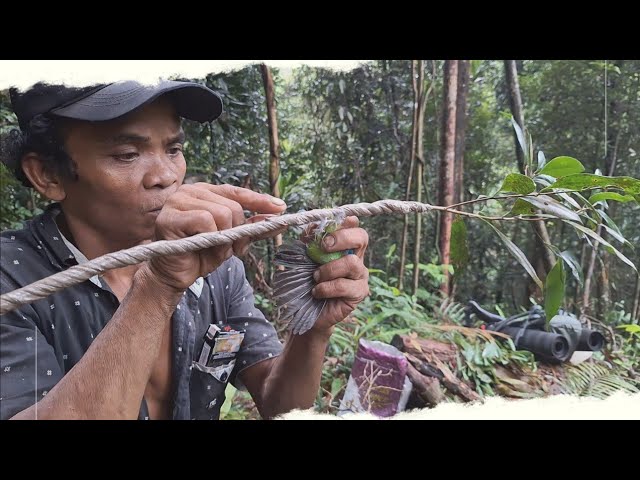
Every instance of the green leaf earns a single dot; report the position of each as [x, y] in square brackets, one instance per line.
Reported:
[554, 290]
[572, 262]
[517, 183]
[521, 257]
[586, 180]
[615, 234]
[598, 238]
[491, 351]
[475, 66]
[567, 198]
[541, 160]
[529, 154]
[392, 249]
[230, 392]
[630, 328]
[562, 166]
[599, 197]
[522, 207]
[350, 117]
[607, 219]
[544, 180]
[520, 135]
[459, 252]
[375, 270]
[549, 205]
[336, 385]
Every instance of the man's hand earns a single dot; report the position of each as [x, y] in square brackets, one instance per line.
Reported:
[345, 282]
[201, 208]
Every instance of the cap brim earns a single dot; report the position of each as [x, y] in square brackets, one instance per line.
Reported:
[192, 101]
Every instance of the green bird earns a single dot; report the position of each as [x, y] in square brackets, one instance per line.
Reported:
[293, 285]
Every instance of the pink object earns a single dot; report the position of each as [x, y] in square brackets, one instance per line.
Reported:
[378, 383]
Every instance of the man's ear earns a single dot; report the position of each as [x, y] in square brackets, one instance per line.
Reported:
[45, 181]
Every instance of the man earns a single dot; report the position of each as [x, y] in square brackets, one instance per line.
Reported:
[158, 340]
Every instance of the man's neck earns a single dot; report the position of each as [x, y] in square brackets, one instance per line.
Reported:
[92, 245]
[90, 242]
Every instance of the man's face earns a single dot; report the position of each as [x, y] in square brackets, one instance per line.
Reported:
[126, 170]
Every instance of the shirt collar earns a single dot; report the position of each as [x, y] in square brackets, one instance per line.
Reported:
[80, 258]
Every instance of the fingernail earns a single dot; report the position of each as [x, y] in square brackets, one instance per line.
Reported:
[277, 201]
[316, 275]
[329, 241]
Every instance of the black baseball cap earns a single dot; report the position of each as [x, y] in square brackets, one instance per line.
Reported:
[112, 100]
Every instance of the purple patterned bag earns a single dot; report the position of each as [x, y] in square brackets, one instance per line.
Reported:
[378, 383]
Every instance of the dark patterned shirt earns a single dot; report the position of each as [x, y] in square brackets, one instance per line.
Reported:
[40, 342]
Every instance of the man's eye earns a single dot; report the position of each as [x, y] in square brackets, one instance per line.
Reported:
[126, 157]
[175, 150]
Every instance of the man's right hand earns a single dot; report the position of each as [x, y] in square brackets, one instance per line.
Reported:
[201, 208]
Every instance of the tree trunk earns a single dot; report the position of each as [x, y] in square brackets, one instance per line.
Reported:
[610, 163]
[448, 154]
[461, 126]
[414, 136]
[586, 309]
[274, 144]
[604, 297]
[422, 104]
[515, 101]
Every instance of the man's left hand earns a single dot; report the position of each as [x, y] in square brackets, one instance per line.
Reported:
[343, 282]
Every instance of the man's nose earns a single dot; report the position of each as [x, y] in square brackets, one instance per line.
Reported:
[161, 172]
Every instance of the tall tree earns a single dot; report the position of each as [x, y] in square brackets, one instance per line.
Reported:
[412, 161]
[422, 101]
[447, 162]
[515, 102]
[461, 126]
[612, 143]
[274, 143]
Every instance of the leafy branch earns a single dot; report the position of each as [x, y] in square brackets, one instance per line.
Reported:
[554, 190]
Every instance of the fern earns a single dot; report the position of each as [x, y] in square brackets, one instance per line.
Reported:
[594, 380]
[452, 311]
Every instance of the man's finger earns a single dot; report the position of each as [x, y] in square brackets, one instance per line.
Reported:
[346, 239]
[250, 200]
[349, 266]
[354, 290]
[205, 194]
[350, 222]
[176, 224]
[222, 215]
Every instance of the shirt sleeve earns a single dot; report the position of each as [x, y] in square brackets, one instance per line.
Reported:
[261, 339]
[28, 365]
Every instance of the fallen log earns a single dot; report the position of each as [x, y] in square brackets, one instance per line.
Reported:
[446, 352]
[427, 388]
[448, 379]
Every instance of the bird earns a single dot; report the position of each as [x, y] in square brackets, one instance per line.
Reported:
[293, 285]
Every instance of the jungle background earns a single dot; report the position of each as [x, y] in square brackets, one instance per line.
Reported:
[440, 132]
